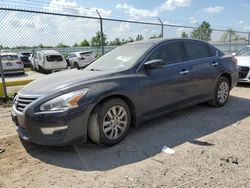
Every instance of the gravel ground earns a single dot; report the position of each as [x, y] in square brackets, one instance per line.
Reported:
[211, 150]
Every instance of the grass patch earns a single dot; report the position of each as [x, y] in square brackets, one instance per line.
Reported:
[6, 103]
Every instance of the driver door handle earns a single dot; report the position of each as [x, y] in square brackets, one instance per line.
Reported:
[215, 64]
[184, 72]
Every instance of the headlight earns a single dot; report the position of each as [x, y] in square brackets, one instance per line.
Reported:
[63, 102]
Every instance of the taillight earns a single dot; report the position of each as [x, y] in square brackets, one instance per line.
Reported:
[235, 61]
[19, 62]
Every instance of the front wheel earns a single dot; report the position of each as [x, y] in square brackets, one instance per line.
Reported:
[110, 122]
[221, 93]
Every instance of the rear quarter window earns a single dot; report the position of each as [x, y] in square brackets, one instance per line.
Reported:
[198, 50]
[54, 58]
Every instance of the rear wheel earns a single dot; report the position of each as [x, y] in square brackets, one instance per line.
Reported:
[110, 122]
[221, 93]
[76, 65]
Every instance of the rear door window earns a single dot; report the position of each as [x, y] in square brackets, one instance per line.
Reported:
[51, 58]
[198, 50]
[171, 52]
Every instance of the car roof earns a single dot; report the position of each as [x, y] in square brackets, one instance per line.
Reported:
[45, 52]
[154, 42]
[8, 53]
[24, 52]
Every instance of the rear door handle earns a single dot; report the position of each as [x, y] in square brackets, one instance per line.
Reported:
[183, 72]
[215, 64]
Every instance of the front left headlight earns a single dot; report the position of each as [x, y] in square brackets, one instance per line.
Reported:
[63, 102]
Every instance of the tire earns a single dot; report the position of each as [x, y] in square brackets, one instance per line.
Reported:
[222, 87]
[76, 65]
[105, 131]
[40, 69]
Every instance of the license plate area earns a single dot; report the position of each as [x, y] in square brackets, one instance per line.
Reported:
[8, 64]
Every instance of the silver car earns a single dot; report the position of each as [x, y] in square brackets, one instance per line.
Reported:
[11, 63]
[80, 59]
[243, 58]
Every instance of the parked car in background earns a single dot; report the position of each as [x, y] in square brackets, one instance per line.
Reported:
[80, 59]
[243, 57]
[4, 51]
[25, 58]
[46, 61]
[11, 63]
[124, 87]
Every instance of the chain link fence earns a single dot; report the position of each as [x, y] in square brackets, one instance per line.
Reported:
[37, 43]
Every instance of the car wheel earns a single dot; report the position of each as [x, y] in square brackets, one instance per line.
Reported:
[221, 93]
[76, 65]
[109, 122]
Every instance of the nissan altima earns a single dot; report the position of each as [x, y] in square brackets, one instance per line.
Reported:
[130, 84]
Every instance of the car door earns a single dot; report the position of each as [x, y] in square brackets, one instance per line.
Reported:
[166, 87]
[204, 67]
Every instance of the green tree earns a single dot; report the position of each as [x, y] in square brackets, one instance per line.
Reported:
[96, 40]
[130, 39]
[139, 37]
[84, 43]
[61, 45]
[75, 45]
[115, 42]
[156, 36]
[184, 35]
[123, 41]
[203, 32]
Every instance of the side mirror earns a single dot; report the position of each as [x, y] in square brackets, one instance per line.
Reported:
[234, 54]
[154, 64]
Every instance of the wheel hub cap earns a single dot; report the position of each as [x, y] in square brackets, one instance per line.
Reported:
[223, 92]
[115, 122]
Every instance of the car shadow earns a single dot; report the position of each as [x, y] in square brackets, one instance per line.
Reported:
[15, 75]
[242, 84]
[173, 129]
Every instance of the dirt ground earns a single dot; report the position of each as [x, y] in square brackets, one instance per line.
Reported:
[212, 149]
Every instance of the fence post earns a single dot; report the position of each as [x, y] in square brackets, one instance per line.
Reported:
[101, 28]
[248, 38]
[3, 79]
[230, 41]
[162, 27]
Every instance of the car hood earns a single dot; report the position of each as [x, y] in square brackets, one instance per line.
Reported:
[243, 61]
[62, 80]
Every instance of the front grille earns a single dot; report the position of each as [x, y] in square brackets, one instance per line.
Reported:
[22, 101]
[243, 71]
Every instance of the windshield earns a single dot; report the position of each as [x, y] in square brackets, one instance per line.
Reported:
[244, 52]
[26, 54]
[121, 58]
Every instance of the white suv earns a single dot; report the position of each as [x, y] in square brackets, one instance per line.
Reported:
[48, 60]
[80, 59]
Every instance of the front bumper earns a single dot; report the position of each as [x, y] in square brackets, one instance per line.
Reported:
[55, 129]
[244, 74]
